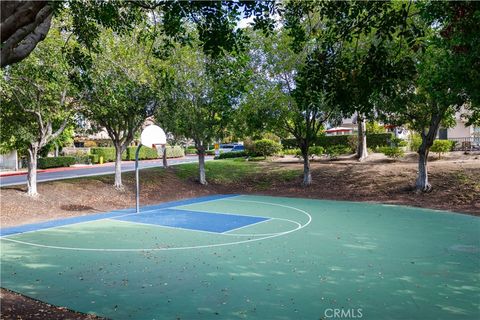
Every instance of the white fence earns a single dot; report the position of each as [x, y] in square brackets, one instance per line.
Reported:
[9, 161]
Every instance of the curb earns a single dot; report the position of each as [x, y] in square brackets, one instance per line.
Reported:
[19, 173]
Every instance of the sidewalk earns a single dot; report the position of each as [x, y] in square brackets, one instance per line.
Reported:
[23, 171]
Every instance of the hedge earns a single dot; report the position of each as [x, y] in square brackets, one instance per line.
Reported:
[55, 162]
[232, 154]
[82, 159]
[108, 153]
[373, 141]
[191, 150]
[175, 152]
[145, 153]
[94, 158]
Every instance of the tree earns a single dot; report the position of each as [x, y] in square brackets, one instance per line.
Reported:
[291, 94]
[25, 23]
[119, 92]
[203, 94]
[447, 79]
[364, 36]
[37, 103]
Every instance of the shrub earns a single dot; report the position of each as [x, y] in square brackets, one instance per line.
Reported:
[266, 147]
[373, 141]
[190, 150]
[175, 152]
[89, 144]
[55, 162]
[232, 154]
[108, 153]
[94, 158]
[317, 151]
[378, 139]
[415, 140]
[145, 153]
[374, 127]
[392, 152]
[441, 146]
[82, 159]
[397, 142]
[291, 152]
[334, 151]
[353, 142]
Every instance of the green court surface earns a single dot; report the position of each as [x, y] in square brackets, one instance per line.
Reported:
[288, 259]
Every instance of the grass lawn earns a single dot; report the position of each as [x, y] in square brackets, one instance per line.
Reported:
[231, 171]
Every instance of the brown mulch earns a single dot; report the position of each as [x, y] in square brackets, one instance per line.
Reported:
[456, 188]
[16, 306]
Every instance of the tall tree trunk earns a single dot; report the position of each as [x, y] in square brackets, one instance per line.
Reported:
[164, 157]
[56, 150]
[201, 165]
[118, 167]
[362, 152]
[307, 176]
[32, 172]
[422, 183]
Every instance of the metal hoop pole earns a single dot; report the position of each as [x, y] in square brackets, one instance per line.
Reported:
[137, 180]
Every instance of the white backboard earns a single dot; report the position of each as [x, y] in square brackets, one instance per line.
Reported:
[153, 135]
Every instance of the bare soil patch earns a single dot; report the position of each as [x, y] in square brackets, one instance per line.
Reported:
[455, 180]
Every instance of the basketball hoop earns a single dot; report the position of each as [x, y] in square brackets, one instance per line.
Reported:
[151, 136]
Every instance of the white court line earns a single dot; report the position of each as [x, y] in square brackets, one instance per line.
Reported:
[108, 218]
[259, 234]
[174, 228]
[181, 248]
[247, 225]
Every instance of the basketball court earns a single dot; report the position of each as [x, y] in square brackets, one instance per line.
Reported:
[257, 257]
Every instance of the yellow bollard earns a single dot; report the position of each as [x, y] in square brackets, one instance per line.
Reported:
[100, 160]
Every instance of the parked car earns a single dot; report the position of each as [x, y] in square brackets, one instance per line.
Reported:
[238, 147]
[231, 147]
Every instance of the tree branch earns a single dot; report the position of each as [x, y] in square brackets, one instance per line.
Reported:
[24, 40]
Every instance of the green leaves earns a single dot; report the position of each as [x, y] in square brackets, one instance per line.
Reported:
[37, 97]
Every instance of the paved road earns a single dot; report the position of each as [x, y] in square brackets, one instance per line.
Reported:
[108, 168]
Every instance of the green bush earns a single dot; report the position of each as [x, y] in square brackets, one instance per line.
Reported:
[175, 152]
[191, 150]
[334, 151]
[108, 153]
[393, 152]
[82, 159]
[353, 142]
[266, 147]
[415, 140]
[55, 162]
[373, 141]
[145, 153]
[378, 140]
[232, 154]
[291, 152]
[313, 151]
[397, 142]
[94, 158]
[317, 151]
[374, 127]
[441, 146]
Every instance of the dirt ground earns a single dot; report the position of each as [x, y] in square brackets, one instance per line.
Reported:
[455, 180]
